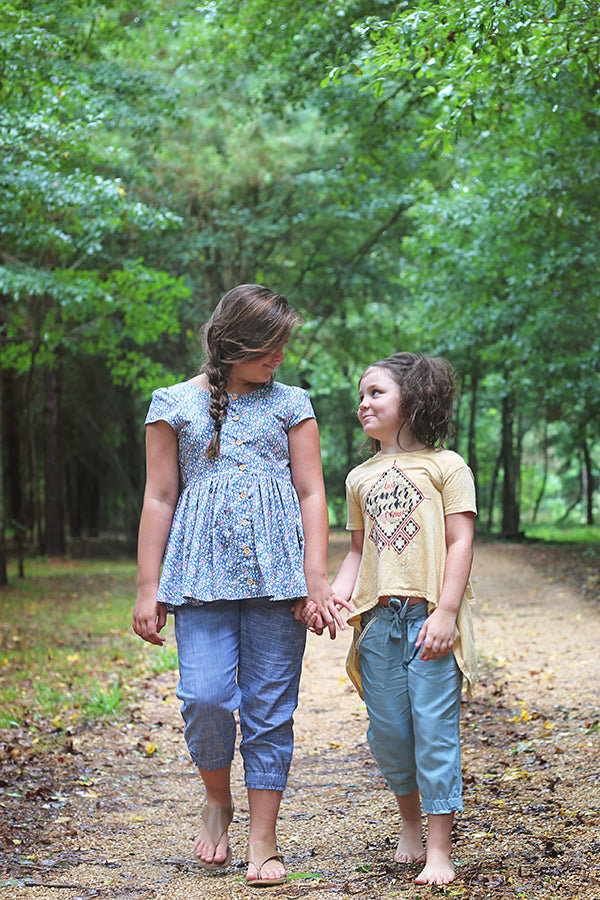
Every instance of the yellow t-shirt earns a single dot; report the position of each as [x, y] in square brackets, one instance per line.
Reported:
[400, 501]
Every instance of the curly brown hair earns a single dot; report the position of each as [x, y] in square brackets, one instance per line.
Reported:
[428, 388]
[249, 321]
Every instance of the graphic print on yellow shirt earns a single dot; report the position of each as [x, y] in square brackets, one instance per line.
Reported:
[390, 504]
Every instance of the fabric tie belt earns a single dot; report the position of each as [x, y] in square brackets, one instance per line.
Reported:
[402, 608]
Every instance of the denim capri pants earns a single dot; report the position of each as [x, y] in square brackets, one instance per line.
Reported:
[246, 655]
[413, 707]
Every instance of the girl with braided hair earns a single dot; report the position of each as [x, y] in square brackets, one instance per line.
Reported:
[234, 510]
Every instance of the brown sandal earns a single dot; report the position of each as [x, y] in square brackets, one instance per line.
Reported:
[216, 821]
[258, 855]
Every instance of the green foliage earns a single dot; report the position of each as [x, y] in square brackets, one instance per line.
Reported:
[566, 534]
[288, 46]
[73, 232]
[477, 58]
[106, 314]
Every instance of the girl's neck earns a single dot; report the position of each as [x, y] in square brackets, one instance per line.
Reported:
[404, 442]
[237, 387]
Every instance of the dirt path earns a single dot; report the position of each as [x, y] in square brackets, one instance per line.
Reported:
[544, 639]
[122, 824]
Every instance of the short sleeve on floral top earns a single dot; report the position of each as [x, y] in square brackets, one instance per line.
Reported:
[237, 530]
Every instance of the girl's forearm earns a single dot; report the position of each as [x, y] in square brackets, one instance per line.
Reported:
[345, 579]
[155, 526]
[315, 523]
[456, 576]
[459, 558]
[344, 582]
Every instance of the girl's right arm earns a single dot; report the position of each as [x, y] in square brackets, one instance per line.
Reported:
[345, 579]
[160, 499]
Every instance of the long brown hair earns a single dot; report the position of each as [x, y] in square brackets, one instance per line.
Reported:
[428, 388]
[249, 321]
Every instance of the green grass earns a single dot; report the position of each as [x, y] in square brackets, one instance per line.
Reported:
[164, 659]
[105, 702]
[68, 654]
[565, 534]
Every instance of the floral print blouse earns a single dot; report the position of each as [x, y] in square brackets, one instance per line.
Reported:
[237, 530]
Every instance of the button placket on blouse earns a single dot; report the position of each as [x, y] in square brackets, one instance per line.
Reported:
[247, 550]
[238, 441]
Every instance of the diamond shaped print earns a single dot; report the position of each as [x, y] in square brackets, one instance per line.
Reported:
[390, 504]
[399, 542]
[410, 528]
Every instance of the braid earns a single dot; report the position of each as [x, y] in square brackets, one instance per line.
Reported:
[216, 372]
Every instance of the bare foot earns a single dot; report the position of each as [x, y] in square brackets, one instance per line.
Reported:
[410, 847]
[439, 869]
[207, 852]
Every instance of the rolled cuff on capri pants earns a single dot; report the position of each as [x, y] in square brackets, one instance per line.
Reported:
[413, 707]
[246, 655]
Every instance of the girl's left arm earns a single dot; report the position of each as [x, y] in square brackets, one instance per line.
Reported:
[307, 477]
[436, 637]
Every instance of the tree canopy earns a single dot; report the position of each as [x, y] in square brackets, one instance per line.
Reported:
[412, 175]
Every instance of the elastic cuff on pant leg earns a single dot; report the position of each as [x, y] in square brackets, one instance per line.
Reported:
[442, 807]
[263, 781]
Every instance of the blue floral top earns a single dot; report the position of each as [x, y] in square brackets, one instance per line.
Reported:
[237, 530]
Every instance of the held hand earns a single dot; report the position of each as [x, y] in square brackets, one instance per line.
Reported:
[149, 618]
[436, 637]
[322, 610]
[306, 611]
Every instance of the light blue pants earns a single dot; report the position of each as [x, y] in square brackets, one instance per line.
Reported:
[246, 655]
[413, 707]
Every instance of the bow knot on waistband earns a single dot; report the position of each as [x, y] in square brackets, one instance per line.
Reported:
[399, 612]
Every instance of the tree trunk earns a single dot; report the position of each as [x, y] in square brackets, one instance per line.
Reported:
[588, 484]
[15, 503]
[34, 489]
[510, 468]
[53, 500]
[471, 445]
[493, 484]
[542, 490]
